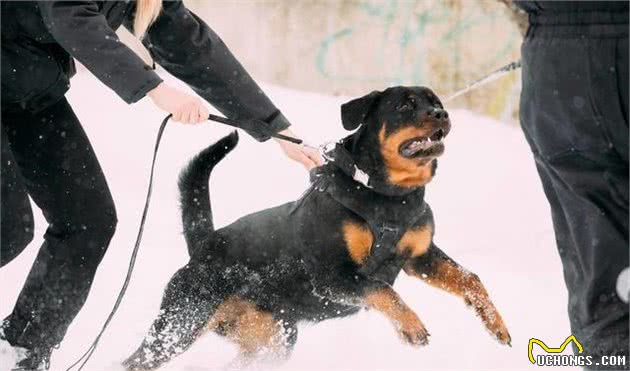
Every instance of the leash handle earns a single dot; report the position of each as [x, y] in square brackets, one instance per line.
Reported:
[132, 262]
[260, 126]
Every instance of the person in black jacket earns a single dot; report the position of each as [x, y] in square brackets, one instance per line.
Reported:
[47, 156]
[574, 112]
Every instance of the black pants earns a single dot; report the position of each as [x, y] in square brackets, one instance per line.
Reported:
[48, 157]
[574, 112]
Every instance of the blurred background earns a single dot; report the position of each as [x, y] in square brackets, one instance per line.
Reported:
[352, 47]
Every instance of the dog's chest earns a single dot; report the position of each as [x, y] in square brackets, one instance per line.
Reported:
[357, 232]
[360, 241]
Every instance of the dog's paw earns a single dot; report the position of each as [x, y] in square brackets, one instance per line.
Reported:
[495, 325]
[413, 332]
[502, 334]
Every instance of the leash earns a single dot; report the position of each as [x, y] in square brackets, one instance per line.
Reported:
[512, 66]
[260, 127]
[132, 262]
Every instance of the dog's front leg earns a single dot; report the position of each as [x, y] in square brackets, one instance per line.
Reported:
[385, 300]
[437, 269]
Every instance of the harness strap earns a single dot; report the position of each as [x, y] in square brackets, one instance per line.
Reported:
[388, 221]
[383, 248]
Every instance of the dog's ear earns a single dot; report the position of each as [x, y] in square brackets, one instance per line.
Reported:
[353, 113]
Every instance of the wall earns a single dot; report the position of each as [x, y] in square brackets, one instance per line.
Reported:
[352, 47]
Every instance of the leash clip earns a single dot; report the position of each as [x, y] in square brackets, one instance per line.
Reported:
[326, 151]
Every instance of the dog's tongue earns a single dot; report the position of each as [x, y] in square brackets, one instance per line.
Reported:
[417, 146]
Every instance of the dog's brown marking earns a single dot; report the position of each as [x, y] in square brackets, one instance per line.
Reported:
[406, 321]
[415, 242]
[449, 276]
[401, 171]
[248, 326]
[359, 239]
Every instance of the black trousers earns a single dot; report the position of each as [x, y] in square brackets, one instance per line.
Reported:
[574, 112]
[48, 157]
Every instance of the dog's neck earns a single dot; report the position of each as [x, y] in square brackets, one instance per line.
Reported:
[370, 162]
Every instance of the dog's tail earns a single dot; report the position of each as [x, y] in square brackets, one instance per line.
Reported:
[194, 194]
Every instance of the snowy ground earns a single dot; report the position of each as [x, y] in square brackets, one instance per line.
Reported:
[489, 208]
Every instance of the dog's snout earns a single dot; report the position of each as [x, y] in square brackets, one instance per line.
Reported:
[438, 119]
[437, 113]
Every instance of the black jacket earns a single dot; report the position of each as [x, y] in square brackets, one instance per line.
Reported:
[558, 7]
[40, 40]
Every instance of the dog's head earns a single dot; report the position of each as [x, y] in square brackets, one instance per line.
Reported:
[400, 134]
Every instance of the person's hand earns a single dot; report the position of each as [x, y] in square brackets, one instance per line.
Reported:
[185, 108]
[308, 157]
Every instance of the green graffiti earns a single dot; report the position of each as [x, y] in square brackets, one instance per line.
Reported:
[410, 64]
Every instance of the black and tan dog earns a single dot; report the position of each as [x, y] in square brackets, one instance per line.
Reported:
[336, 250]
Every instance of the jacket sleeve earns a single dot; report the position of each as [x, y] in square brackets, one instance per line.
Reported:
[83, 31]
[186, 47]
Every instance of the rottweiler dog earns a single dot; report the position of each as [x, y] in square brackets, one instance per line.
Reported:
[256, 279]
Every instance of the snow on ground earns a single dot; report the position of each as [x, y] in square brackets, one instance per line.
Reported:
[491, 216]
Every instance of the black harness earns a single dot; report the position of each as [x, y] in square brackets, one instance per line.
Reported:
[388, 216]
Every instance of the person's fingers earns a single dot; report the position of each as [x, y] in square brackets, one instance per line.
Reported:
[306, 161]
[197, 115]
[200, 115]
[177, 115]
[317, 160]
[204, 113]
[191, 115]
[194, 114]
[185, 114]
[313, 155]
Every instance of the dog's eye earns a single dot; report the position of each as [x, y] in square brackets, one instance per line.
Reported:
[409, 104]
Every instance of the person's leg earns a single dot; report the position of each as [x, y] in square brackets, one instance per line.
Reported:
[16, 218]
[574, 122]
[64, 178]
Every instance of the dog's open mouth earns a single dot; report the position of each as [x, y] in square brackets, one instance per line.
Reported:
[419, 147]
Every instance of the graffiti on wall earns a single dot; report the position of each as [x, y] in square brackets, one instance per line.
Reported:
[403, 34]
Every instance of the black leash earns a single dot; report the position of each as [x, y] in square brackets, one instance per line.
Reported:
[257, 126]
[132, 262]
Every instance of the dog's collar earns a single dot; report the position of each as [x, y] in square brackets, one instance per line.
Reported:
[336, 154]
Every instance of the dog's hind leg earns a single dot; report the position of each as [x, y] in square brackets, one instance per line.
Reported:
[437, 269]
[258, 333]
[267, 355]
[185, 310]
